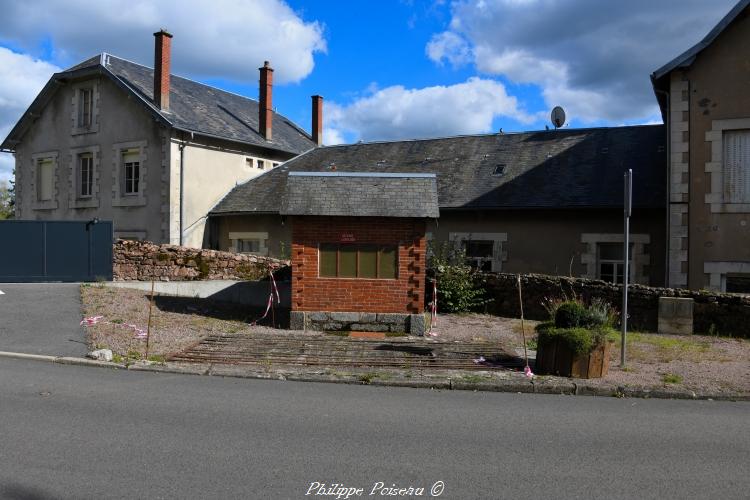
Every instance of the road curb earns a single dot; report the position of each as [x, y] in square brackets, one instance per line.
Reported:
[33, 357]
[543, 385]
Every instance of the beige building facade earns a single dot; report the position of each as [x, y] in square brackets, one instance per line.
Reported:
[705, 103]
[96, 143]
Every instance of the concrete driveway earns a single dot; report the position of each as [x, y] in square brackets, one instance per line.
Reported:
[41, 318]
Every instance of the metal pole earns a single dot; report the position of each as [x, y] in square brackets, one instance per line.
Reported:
[628, 200]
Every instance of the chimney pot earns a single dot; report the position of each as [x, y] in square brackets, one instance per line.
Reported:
[266, 101]
[162, 63]
[317, 119]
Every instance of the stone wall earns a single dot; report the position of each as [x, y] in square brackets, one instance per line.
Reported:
[144, 261]
[721, 313]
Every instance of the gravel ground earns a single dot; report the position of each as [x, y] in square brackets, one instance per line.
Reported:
[694, 362]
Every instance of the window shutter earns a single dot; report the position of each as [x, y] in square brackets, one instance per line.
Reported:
[737, 166]
[46, 174]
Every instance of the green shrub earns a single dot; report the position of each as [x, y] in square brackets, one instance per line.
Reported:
[602, 313]
[580, 340]
[574, 314]
[460, 288]
[570, 315]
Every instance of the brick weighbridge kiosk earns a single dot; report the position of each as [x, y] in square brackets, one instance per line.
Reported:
[359, 250]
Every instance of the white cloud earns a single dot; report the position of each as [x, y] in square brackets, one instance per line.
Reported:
[21, 79]
[398, 113]
[217, 39]
[450, 47]
[592, 57]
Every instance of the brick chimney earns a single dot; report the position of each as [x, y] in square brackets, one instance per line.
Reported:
[162, 59]
[317, 119]
[266, 101]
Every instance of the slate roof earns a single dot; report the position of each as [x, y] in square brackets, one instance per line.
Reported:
[194, 107]
[360, 194]
[568, 168]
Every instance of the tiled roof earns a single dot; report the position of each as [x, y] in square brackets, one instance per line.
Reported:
[568, 168]
[193, 107]
[364, 194]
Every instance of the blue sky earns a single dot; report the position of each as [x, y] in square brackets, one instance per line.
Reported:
[388, 69]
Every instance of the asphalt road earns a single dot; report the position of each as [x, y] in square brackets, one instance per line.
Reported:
[41, 318]
[80, 432]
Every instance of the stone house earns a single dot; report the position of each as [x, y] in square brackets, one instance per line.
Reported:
[151, 151]
[545, 202]
[704, 100]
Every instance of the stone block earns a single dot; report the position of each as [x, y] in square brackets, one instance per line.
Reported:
[297, 320]
[417, 324]
[368, 317]
[675, 315]
[346, 317]
[392, 318]
[318, 316]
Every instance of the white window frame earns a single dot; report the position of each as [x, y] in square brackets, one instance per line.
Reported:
[639, 259]
[717, 273]
[78, 105]
[715, 197]
[619, 264]
[75, 199]
[499, 255]
[85, 160]
[120, 196]
[261, 237]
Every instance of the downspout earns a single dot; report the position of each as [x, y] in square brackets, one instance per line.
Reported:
[669, 182]
[182, 186]
[182, 183]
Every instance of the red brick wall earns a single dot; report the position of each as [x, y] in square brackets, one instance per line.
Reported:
[402, 295]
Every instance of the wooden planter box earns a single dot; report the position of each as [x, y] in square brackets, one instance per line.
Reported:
[555, 358]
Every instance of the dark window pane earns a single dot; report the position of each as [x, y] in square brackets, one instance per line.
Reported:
[607, 271]
[610, 251]
[327, 266]
[738, 284]
[388, 266]
[368, 256]
[348, 261]
[478, 248]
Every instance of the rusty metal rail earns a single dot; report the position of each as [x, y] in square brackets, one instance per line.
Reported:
[336, 351]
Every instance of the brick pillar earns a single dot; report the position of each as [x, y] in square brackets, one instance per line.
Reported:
[162, 60]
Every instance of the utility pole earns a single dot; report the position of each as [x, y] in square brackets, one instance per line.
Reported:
[628, 202]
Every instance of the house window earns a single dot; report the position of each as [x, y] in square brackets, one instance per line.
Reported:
[736, 166]
[738, 283]
[479, 254]
[357, 261]
[610, 262]
[275, 165]
[261, 164]
[249, 162]
[249, 246]
[85, 175]
[132, 171]
[46, 178]
[85, 107]
[249, 242]
[483, 251]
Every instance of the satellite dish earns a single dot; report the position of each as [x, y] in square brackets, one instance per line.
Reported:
[558, 117]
